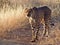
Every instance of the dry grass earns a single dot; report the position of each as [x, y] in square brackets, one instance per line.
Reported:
[13, 18]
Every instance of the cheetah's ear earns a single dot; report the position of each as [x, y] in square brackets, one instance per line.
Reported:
[26, 10]
[34, 9]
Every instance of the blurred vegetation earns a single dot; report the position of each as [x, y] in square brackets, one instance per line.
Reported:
[12, 11]
[7, 4]
[13, 18]
[12, 14]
